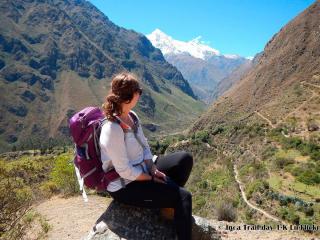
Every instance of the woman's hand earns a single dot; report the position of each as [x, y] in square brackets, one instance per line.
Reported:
[159, 176]
[158, 180]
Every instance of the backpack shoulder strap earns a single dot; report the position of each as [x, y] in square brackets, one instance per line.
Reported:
[136, 125]
[134, 117]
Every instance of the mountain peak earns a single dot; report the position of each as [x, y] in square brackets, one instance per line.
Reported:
[195, 47]
[196, 40]
[158, 31]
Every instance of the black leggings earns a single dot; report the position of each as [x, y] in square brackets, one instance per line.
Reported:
[171, 195]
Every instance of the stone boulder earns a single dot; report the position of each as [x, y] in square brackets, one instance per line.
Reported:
[121, 221]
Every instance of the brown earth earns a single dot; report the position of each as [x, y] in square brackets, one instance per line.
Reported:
[72, 218]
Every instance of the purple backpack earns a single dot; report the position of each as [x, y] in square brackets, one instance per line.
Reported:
[85, 127]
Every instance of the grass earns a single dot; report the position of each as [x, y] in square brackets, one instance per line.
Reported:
[312, 191]
[294, 188]
[275, 182]
[33, 219]
[289, 154]
[175, 111]
[210, 184]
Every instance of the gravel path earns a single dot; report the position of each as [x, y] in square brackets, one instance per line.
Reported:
[72, 218]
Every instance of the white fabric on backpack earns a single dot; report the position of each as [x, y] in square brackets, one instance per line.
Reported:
[81, 184]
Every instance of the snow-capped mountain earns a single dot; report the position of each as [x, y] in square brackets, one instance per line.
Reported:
[194, 47]
[203, 66]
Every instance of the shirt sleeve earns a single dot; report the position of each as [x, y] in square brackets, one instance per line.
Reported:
[112, 142]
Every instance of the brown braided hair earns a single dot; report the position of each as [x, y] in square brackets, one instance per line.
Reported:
[123, 87]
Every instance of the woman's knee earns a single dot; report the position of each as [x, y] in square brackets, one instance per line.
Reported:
[186, 159]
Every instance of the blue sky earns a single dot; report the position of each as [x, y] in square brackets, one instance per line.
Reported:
[240, 27]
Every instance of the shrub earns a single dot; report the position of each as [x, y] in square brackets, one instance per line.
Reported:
[315, 155]
[226, 212]
[309, 177]
[293, 142]
[305, 221]
[309, 211]
[63, 175]
[203, 136]
[296, 170]
[269, 152]
[283, 200]
[293, 217]
[159, 147]
[15, 199]
[249, 213]
[217, 130]
[204, 184]
[256, 186]
[283, 212]
[298, 90]
[306, 148]
[219, 178]
[49, 188]
[199, 202]
[281, 162]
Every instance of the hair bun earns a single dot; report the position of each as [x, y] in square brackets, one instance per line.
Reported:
[123, 87]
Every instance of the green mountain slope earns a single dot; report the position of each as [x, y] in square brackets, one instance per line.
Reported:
[57, 57]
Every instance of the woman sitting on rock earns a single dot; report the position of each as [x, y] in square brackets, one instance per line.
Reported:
[145, 180]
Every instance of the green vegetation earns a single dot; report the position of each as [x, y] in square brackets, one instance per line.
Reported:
[306, 148]
[256, 186]
[281, 162]
[269, 152]
[254, 130]
[63, 175]
[16, 198]
[297, 89]
[45, 145]
[254, 169]
[298, 157]
[25, 180]
[216, 179]
[173, 110]
[200, 137]
[289, 214]
[309, 177]
[213, 186]
[159, 147]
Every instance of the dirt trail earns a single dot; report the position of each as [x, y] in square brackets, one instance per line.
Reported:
[314, 94]
[263, 117]
[72, 218]
[250, 204]
[310, 84]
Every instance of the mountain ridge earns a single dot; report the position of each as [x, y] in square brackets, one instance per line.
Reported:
[43, 43]
[285, 60]
[203, 66]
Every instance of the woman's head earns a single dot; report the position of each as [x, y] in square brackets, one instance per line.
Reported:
[124, 92]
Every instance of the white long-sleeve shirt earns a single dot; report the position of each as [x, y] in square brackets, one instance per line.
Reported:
[122, 151]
